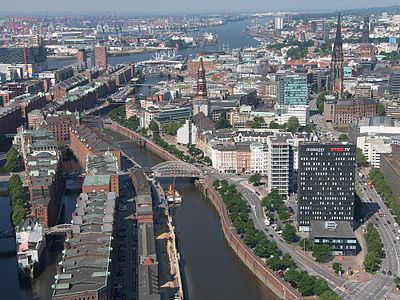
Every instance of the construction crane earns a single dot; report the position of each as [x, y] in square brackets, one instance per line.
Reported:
[16, 24]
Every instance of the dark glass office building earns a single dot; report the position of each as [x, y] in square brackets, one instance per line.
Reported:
[326, 183]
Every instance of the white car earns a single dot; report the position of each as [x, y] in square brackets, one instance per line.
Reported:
[395, 224]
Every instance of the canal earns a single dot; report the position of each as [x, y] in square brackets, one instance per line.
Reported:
[211, 269]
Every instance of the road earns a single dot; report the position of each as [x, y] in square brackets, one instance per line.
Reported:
[303, 262]
[381, 283]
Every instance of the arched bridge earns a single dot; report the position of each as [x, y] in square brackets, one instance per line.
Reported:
[176, 168]
[58, 229]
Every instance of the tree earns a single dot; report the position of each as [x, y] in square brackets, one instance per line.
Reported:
[18, 214]
[380, 109]
[153, 126]
[321, 252]
[289, 233]
[320, 101]
[320, 286]
[343, 137]
[172, 128]
[293, 125]
[306, 285]
[222, 123]
[309, 128]
[337, 267]
[306, 244]
[329, 295]
[274, 125]
[293, 277]
[255, 179]
[397, 282]
[133, 123]
[12, 160]
[207, 161]
[257, 122]
[361, 160]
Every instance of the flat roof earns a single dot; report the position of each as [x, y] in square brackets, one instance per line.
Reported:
[343, 230]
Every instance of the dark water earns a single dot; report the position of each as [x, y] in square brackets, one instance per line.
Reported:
[9, 285]
[230, 35]
[40, 288]
[212, 271]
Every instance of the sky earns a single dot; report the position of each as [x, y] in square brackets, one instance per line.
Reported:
[189, 6]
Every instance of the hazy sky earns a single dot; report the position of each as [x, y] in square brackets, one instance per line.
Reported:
[185, 5]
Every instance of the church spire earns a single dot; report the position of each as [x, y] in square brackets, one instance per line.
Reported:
[337, 63]
[365, 31]
[201, 81]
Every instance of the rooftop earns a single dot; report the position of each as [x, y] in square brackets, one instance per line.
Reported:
[343, 230]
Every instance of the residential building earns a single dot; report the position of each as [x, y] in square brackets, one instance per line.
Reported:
[326, 183]
[223, 156]
[258, 158]
[10, 119]
[60, 123]
[279, 163]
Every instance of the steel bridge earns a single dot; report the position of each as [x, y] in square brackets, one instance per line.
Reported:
[59, 229]
[175, 168]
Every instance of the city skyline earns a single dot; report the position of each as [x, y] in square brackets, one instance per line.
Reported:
[180, 6]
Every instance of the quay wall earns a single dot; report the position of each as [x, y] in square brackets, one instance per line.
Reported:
[276, 284]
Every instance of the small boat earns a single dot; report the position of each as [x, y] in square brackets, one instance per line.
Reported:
[173, 196]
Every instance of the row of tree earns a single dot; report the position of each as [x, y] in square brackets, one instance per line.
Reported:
[376, 177]
[12, 160]
[372, 260]
[238, 211]
[17, 195]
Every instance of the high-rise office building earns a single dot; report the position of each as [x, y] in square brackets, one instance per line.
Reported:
[394, 83]
[100, 57]
[279, 23]
[293, 90]
[326, 183]
[337, 74]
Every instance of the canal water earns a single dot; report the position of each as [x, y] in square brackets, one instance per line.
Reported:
[211, 269]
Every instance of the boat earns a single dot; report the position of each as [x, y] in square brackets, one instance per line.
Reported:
[173, 196]
[209, 39]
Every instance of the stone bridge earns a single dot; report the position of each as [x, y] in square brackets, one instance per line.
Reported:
[176, 168]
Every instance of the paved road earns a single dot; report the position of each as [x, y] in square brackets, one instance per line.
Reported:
[380, 284]
[303, 262]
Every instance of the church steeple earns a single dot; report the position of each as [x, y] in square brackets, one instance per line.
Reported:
[337, 63]
[365, 31]
[201, 81]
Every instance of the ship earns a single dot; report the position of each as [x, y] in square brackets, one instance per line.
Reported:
[173, 196]
[209, 39]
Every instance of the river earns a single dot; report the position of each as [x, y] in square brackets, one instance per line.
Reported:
[229, 35]
[211, 269]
